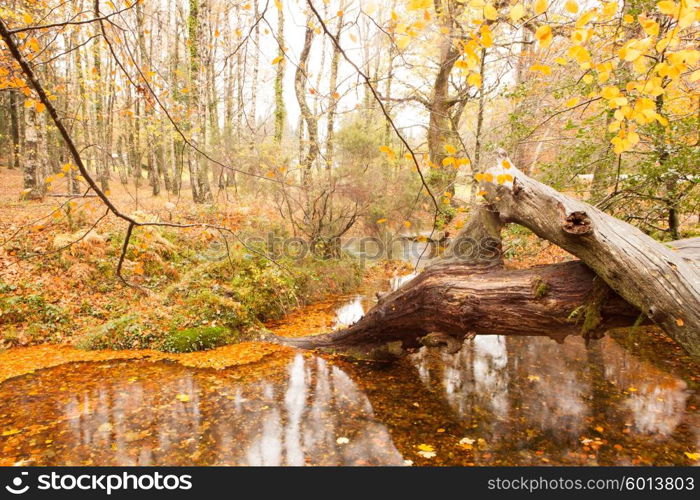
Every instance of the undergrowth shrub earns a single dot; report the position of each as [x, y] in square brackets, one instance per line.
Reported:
[125, 332]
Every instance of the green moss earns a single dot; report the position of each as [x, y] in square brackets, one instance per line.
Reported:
[540, 288]
[197, 339]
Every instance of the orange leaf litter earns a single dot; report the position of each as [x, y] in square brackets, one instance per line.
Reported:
[24, 360]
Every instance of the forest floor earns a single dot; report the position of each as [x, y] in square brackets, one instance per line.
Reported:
[189, 283]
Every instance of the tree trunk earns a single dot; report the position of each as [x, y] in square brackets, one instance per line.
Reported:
[14, 129]
[300, 79]
[333, 91]
[32, 183]
[280, 111]
[646, 273]
[199, 168]
[470, 292]
[103, 148]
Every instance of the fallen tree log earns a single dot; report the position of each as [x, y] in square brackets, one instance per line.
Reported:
[646, 273]
[469, 292]
[458, 300]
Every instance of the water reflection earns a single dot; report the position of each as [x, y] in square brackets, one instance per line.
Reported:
[655, 403]
[551, 403]
[500, 400]
[140, 413]
[350, 312]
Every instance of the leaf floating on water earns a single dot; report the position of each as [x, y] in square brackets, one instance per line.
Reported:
[425, 447]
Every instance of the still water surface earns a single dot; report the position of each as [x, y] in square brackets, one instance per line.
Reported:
[498, 401]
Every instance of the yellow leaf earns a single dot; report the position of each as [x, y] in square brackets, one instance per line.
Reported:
[278, 4]
[425, 447]
[388, 151]
[11, 432]
[407, 223]
[692, 456]
[585, 19]
[183, 397]
[599, 429]
[544, 35]
[490, 12]
[571, 6]
[277, 60]
[474, 79]
[450, 149]
[381, 221]
[486, 39]
[679, 322]
[418, 4]
[540, 6]
[506, 164]
[610, 92]
[588, 79]
[448, 161]
[665, 7]
[580, 36]
[609, 10]
[571, 102]
[402, 41]
[517, 12]
[27, 17]
[40, 106]
[545, 70]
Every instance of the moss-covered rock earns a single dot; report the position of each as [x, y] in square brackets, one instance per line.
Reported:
[198, 338]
